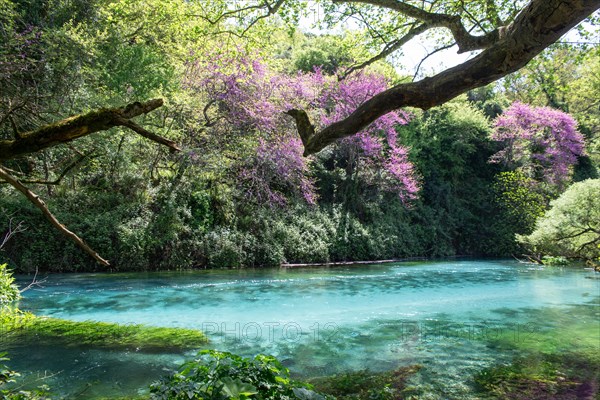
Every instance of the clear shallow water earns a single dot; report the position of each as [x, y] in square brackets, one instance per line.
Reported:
[318, 321]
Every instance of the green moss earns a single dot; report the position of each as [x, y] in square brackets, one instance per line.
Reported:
[27, 327]
[366, 384]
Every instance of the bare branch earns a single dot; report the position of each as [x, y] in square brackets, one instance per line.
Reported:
[60, 177]
[12, 231]
[34, 282]
[429, 55]
[147, 134]
[39, 203]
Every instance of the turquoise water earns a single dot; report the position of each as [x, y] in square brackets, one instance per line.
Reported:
[318, 321]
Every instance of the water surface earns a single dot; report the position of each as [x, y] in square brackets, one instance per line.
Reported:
[318, 321]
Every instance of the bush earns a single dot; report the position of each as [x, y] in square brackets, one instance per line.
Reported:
[571, 228]
[218, 375]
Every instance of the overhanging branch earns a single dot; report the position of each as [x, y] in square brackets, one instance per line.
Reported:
[82, 125]
[539, 24]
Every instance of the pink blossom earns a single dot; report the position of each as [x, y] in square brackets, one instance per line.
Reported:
[541, 141]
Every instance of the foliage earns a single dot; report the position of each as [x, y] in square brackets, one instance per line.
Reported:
[571, 227]
[221, 375]
[10, 377]
[520, 201]
[457, 211]
[541, 142]
[241, 193]
[9, 292]
[552, 260]
[255, 98]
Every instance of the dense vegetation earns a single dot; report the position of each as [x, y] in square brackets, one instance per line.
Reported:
[454, 180]
[505, 169]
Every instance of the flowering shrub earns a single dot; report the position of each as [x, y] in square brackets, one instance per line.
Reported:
[542, 142]
[247, 99]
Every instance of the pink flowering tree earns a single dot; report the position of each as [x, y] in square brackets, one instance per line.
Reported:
[541, 142]
[246, 103]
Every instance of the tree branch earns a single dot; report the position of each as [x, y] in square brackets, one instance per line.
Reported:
[466, 41]
[39, 203]
[418, 68]
[11, 231]
[387, 50]
[82, 125]
[60, 177]
[537, 26]
[147, 134]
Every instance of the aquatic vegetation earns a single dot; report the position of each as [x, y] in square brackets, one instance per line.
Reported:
[559, 360]
[541, 376]
[553, 331]
[367, 384]
[220, 375]
[103, 334]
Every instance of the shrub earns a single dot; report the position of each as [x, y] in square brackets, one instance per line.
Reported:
[9, 292]
[571, 228]
[218, 375]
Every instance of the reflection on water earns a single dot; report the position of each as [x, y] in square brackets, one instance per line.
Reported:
[442, 315]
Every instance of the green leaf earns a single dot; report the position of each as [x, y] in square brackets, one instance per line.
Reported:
[237, 389]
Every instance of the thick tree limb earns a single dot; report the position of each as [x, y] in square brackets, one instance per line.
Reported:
[39, 203]
[538, 25]
[81, 125]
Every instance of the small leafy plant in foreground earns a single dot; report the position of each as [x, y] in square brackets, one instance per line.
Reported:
[219, 375]
[8, 376]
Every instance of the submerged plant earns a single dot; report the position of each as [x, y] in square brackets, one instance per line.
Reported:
[367, 384]
[543, 376]
[8, 376]
[110, 335]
